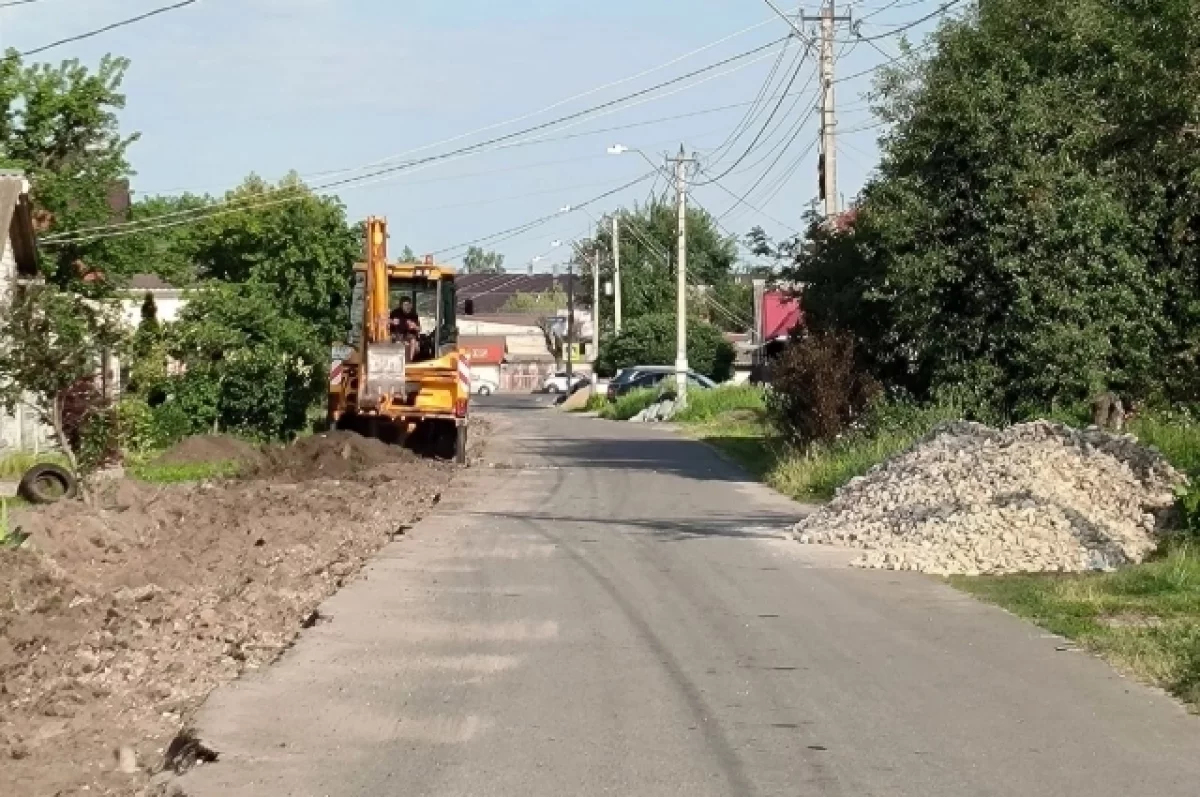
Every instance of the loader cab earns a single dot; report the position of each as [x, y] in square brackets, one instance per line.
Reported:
[433, 296]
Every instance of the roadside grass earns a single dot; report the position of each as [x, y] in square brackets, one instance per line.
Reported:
[735, 421]
[159, 473]
[708, 405]
[595, 403]
[1145, 619]
[1178, 440]
[14, 465]
[629, 404]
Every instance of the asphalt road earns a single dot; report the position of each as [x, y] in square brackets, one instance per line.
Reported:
[608, 609]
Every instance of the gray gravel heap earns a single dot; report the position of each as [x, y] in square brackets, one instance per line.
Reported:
[1036, 497]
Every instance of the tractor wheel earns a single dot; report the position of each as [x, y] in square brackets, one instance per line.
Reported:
[460, 444]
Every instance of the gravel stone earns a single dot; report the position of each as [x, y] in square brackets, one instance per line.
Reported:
[1036, 497]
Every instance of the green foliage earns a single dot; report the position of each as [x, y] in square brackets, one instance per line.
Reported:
[1187, 505]
[477, 261]
[596, 403]
[546, 302]
[1031, 229]
[1178, 438]
[722, 401]
[51, 343]
[14, 464]
[630, 404]
[251, 367]
[59, 124]
[299, 253]
[409, 256]
[175, 473]
[650, 340]
[648, 283]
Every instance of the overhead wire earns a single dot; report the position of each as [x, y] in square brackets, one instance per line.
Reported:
[940, 10]
[663, 254]
[105, 29]
[82, 234]
[748, 118]
[774, 111]
[558, 104]
[522, 228]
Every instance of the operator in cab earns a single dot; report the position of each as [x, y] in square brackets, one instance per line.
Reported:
[406, 326]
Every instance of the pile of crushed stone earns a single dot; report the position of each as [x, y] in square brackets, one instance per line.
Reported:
[1037, 497]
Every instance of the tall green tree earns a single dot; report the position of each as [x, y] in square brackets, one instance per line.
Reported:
[1030, 233]
[477, 261]
[300, 251]
[251, 366]
[59, 124]
[648, 283]
[52, 342]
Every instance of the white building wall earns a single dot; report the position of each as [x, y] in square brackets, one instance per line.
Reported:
[169, 307]
[20, 429]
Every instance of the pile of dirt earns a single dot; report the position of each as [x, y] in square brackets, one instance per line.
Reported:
[1035, 497]
[207, 449]
[117, 620]
[333, 455]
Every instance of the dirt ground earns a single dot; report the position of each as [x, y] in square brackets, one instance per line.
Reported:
[117, 620]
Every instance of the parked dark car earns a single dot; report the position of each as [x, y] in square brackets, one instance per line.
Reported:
[652, 376]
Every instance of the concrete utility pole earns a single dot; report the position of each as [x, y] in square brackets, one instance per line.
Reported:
[570, 318]
[595, 309]
[682, 161]
[616, 253]
[827, 161]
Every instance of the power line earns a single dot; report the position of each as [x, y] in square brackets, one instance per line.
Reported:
[98, 31]
[656, 249]
[79, 235]
[18, 3]
[512, 232]
[757, 138]
[942, 9]
[747, 120]
[579, 96]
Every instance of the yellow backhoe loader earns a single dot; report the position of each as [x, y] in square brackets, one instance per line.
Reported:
[389, 380]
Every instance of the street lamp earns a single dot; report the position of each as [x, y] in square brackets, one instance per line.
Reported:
[680, 180]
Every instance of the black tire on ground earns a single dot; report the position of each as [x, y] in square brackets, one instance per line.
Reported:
[485, 391]
[460, 445]
[552, 389]
[47, 483]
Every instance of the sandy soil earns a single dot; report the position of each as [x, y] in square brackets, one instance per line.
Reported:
[117, 620]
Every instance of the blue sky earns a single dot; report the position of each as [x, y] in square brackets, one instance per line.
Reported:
[224, 88]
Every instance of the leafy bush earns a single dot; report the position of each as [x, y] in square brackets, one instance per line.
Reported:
[251, 368]
[629, 404]
[650, 340]
[596, 403]
[818, 389]
[1187, 505]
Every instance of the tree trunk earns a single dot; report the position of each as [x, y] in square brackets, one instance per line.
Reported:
[72, 461]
